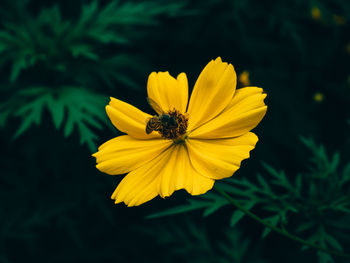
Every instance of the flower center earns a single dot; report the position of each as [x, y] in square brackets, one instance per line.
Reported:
[173, 125]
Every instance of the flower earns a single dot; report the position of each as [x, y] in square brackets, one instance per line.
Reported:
[243, 78]
[192, 143]
[318, 97]
[315, 13]
[339, 20]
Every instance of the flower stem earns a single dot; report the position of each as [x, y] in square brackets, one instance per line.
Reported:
[279, 230]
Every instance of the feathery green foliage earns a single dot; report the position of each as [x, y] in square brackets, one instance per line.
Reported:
[67, 59]
[313, 204]
[193, 243]
[65, 46]
[71, 107]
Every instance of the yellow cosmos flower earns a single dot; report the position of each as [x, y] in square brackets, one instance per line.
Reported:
[189, 144]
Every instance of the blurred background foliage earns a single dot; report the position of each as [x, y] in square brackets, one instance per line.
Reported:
[60, 61]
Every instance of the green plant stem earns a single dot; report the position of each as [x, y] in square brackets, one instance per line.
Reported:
[279, 230]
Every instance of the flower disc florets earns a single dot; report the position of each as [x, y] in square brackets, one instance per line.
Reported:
[177, 131]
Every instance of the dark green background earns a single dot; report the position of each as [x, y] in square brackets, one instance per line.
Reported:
[54, 204]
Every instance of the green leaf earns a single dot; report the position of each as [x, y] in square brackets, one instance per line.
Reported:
[88, 13]
[334, 163]
[4, 115]
[280, 177]
[236, 217]
[264, 184]
[345, 175]
[57, 112]
[333, 242]
[84, 110]
[305, 226]
[216, 205]
[238, 214]
[83, 50]
[272, 220]
[324, 257]
[32, 114]
[17, 66]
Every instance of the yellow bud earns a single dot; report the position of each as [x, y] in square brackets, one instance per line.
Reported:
[339, 20]
[243, 78]
[318, 97]
[315, 13]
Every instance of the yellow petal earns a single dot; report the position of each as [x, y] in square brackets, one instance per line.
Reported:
[180, 174]
[129, 119]
[168, 172]
[125, 153]
[168, 92]
[142, 184]
[220, 158]
[212, 92]
[242, 114]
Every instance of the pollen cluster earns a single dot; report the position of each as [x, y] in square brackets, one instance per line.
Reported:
[177, 132]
